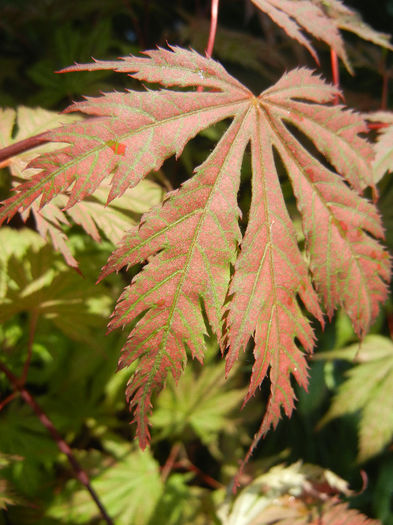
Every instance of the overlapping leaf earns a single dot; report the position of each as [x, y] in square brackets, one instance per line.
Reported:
[302, 15]
[375, 369]
[383, 161]
[191, 241]
[92, 214]
[202, 403]
[128, 471]
[351, 20]
[322, 20]
[35, 280]
[293, 495]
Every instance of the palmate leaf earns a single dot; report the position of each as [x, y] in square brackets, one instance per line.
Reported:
[191, 241]
[203, 403]
[322, 20]
[35, 280]
[350, 20]
[125, 471]
[341, 514]
[92, 214]
[304, 15]
[375, 369]
[383, 147]
[296, 494]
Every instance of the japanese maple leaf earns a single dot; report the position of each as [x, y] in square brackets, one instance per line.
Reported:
[190, 242]
[383, 147]
[350, 20]
[91, 214]
[293, 495]
[375, 366]
[322, 20]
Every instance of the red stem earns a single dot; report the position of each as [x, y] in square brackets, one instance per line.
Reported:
[377, 125]
[136, 24]
[168, 467]
[146, 21]
[80, 474]
[22, 146]
[335, 72]
[213, 28]
[212, 34]
[8, 399]
[186, 463]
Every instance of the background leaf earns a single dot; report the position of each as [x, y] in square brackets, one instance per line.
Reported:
[374, 369]
[93, 215]
[130, 471]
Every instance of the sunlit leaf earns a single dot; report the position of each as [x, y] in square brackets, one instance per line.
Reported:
[38, 281]
[92, 215]
[297, 494]
[383, 147]
[192, 241]
[368, 389]
[202, 402]
[128, 484]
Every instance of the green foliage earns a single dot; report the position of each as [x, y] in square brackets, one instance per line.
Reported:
[41, 284]
[7, 494]
[126, 470]
[375, 371]
[70, 44]
[202, 403]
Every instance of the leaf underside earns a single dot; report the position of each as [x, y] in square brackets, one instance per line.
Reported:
[322, 20]
[192, 240]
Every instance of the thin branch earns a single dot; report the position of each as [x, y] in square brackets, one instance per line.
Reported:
[212, 34]
[146, 20]
[188, 465]
[213, 28]
[23, 145]
[80, 474]
[136, 24]
[8, 399]
[168, 467]
[335, 72]
[33, 326]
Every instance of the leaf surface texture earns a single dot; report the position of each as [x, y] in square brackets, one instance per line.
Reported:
[92, 214]
[190, 244]
[322, 20]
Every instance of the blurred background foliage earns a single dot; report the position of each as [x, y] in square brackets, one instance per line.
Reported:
[344, 423]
